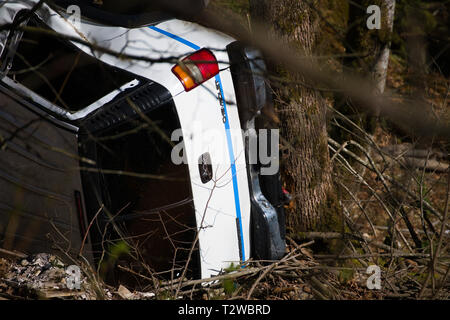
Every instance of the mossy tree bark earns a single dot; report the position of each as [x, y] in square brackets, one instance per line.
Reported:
[302, 111]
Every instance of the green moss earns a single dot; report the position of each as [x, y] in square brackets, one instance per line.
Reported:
[419, 277]
[382, 262]
[229, 286]
[300, 236]
[331, 213]
[346, 275]
[165, 295]
[116, 250]
[238, 6]
[332, 221]
[356, 263]
[232, 267]
[322, 150]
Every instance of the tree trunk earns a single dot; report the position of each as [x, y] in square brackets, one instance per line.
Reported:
[373, 46]
[367, 55]
[382, 62]
[302, 111]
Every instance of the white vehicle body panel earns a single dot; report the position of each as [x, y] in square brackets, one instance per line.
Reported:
[217, 204]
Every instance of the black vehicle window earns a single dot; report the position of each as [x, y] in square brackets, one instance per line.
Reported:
[61, 73]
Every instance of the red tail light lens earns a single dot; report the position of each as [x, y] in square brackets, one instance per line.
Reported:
[196, 69]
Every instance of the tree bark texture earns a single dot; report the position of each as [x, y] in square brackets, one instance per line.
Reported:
[305, 164]
[382, 62]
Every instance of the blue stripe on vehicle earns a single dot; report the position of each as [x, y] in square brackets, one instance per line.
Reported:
[228, 133]
[233, 168]
[179, 39]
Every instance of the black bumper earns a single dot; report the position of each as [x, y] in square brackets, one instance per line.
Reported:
[253, 96]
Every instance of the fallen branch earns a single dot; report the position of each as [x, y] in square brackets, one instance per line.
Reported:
[14, 255]
[430, 164]
[345, 236]
[407, 150]
[375, 255]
